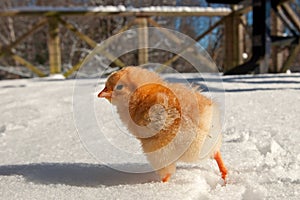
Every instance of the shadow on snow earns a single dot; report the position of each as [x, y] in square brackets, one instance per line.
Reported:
[76, 174]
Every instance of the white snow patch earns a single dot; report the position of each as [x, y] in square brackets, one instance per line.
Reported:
[54, 77]
[121, 8]
[42, 157]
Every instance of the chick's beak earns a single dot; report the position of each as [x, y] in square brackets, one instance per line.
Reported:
[105, 93]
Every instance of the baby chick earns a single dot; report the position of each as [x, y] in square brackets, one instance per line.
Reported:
[173, 122]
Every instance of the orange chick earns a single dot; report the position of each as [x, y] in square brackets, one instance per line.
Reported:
[172, 121]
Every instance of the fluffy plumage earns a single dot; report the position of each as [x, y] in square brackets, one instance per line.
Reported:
[171, 120]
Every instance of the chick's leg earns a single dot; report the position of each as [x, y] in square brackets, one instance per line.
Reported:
[221, 164]
[166, 172]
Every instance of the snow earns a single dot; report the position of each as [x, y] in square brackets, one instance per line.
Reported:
[122, 8]
[42, 157]
[55, 77]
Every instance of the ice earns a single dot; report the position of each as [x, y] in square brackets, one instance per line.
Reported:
[42, 157]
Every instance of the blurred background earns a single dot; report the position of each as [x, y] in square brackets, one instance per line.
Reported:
[42, 37]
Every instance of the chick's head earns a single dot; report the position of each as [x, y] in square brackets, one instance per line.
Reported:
[115, 87]
[143, 101]
[121, 84]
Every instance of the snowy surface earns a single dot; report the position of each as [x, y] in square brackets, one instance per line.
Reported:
[121, 8]
[42, 157]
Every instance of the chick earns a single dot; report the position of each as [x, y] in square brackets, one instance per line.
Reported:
[172, 121]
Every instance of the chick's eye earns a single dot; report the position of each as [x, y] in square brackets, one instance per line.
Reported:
[119, 87]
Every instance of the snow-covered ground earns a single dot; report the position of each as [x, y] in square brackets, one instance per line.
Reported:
[42, 157]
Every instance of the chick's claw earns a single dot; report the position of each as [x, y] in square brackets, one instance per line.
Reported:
[221, 165]
[166, 178]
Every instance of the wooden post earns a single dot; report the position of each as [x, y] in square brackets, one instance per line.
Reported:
[265, 62]
[54, 46]
[143, 40]
[233, 41]
[277, 54]
[294, 52]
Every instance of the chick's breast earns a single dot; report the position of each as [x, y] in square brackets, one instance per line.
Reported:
[156, 108]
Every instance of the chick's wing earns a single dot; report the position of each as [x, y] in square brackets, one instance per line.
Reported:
[154, 105]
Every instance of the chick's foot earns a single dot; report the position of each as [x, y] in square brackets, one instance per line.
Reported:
[166, 178]
[221, 165]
